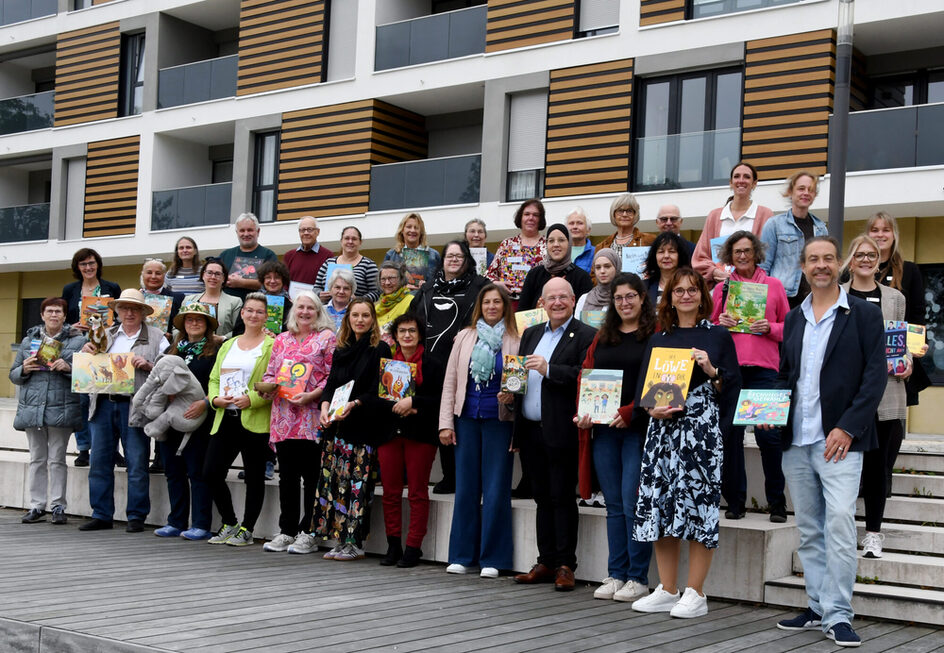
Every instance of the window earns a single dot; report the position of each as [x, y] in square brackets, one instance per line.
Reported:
[706, 8]
[595, 17]
[131, 79]
[689, 129]
[222, 171]
[442, 6]
[918, 87]
[265, 175]
[527, 133]
[81, 4]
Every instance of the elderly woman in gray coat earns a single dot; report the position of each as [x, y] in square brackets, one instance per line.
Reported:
[47, 409]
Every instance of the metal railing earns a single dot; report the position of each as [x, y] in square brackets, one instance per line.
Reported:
[430, 38]
[688, 160]
[27, 112]
[193, 206]
[23, 223]
[706, 8]
[901, 137]
[16, 11]
[210, 79]
[425, 182]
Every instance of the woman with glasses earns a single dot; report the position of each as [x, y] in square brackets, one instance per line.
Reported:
[223, 306]
[680, 483]
[395, 296]
[666, 255]
[342, 288]
[411, 234]
[624, 215]
[184, 275]
[517, 255]
[758, 355]
[557, 263]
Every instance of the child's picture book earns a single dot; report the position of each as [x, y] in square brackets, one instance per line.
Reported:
[417, 263]
[715, 245]
[514, 377]
[292, 378]
[396, 379]
[480, 256]
[916, 337]
[896, 337]
[747, 303]
[667, 377]
[275, 309]
[331, 267]
[762, 407]
[634, 259]
[232, 383]
[245, 267]
[342, 395]
[295, 287]
[600, 395]
[102, 373]
[96, 306]
[525, 319]
[211, 308]
[592, 318]
[47, 350]
[161, 304]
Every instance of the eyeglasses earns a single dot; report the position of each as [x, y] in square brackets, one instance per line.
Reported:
[213, 273]
[691, 290]
[307, 230]
[88, 264]
[744, 252]
[624, 211]
[668, 218]
[865, 256]
[454, 257]
[556, 298]
[407, 331]
[628, 297]
[389, 279]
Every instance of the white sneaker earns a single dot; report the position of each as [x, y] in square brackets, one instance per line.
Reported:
[631, 591]
[349, 552]
[692, 604]
[489, 572]
[872, 545]
[279, 543]
[333, 552]
[304, 543]
[607, 589]
[456, 568]
[658, 601]
[597, 501]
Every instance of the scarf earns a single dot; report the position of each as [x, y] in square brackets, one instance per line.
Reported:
[387, 303]
[190, 350]
[443, 287]
[482, 363]
[598, 299]
[559, 268]
[417, 359]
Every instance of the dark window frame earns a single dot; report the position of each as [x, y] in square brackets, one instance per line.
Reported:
[258, 188]
[919, 79]
[132, 61]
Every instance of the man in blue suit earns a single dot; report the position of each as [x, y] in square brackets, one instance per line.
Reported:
[834, 361]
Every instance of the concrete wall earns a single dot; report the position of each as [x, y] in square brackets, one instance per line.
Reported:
[390, 11]
[454, 133]
[342, 40]
[179, 163]
[181, 42]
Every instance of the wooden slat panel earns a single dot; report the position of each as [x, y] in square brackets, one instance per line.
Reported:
[111, 187]
[519, 24]
[654, 12]
[87, 64]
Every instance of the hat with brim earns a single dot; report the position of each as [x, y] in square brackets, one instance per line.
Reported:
[131, 297]
[195, 308]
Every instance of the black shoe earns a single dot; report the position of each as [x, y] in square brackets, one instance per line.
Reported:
[157, 467]
[411, 557]
[134, 526]
[82, 460]
[445, 487]
[120, 460]
[778, 514]
[394, 552]
[732, 513]
[95, 525]
[59, 515]
[34, 516]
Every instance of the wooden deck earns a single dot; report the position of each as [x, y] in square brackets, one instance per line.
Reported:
[63, 590]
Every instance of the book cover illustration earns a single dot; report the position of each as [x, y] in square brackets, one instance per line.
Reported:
[232, 383]
[715, 245]
[246, 267]
[275, 309]
[916, 337]
[634, 259]
[48, 350]
[331, 267]
[525, 319]
[599, 396]
[762, 407]
[747, 303]
[295, 287]
[102, 373]
[34, 346]
[161, 304]
[342, 395]
[667, 377]
[896, 338]
[292, 378]
[396, 379]
[593, 318]
[96, 306]
[211, 308]
[417, 263]
[480, 256]
[514, 377]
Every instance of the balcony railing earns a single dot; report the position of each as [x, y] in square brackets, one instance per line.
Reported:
[903, 137]
[211, 79]
[21, 223]
[16, 11]
[427, 182]
[687, 160]
[430, 38]
[706, 8]
[194, 206]
[27, 112]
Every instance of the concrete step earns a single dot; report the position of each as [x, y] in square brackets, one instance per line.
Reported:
[921, 461]
[924, 606]
[920, 510]
[909, 538]
[918, 485]
[897, 569]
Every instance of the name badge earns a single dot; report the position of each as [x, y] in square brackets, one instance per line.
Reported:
[515, 259]
[520, 267]
[874, 299]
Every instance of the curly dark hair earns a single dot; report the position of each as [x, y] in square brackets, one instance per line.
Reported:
[542, 225]
[727, 249]
[610, 329]
[406, 318]
[278, 267]
[653, 271]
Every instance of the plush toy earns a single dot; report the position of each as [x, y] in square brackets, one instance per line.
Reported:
[151, 409]
[97, 334]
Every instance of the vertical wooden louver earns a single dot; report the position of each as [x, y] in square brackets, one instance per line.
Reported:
[111, 187]
[87, 65]
[281, 44]
[788, 95]
[515, 24]
[588, 129]
[326, 154]
[653, 12]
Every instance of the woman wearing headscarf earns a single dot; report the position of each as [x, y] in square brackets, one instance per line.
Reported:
[557, 263]
[606, 266]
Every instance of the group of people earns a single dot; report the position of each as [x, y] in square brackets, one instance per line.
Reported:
[663, 470]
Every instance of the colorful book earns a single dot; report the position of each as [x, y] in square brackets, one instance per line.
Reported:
[514, 377]
[747, 303]
[232, 383]
[96, 306]
[102, 373]
[593, 318]
[342, 394]
[275, 309]
[295, 287]
[480, 256]
[715, 244]
[246, 267]
[211, 308]
[634, 259]
[525, 319]
[331, 267]
[35, 344]
[161, 304]
[599, 396]
[292, 378]
[916, 337]
[896, 347]
[417, 264]
[667, 377]
[48, 350]
[397, 379]
[762, 407]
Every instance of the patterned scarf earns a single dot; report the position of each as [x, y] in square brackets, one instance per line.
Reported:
[482, 363]
[190, 350]
[387, 303]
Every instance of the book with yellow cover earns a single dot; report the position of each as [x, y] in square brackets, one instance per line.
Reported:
[525, 319]
[916, 337]
[96, 306]
[667, 377]
[102, 373]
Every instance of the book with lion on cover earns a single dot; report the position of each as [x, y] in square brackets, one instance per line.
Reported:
[667, 377]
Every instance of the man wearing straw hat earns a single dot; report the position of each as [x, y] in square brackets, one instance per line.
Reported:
[108, 418]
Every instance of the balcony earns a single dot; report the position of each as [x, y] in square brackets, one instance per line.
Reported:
[22, 223]
[903, 137]
[430, 38]
[707, 8]
[27, 112]
[16, 11]
[194, 206]
[210, 79]
[690, 160]
[427, 182]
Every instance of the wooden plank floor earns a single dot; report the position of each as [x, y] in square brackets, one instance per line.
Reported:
[114, 591]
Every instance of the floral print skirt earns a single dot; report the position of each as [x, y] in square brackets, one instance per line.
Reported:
[680, 483]
[345, 489]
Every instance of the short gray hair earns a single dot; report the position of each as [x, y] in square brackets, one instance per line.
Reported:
[402, 277]
[344, 275]
[247, 217]
[478, 221]
[579, 210]
[148, 262]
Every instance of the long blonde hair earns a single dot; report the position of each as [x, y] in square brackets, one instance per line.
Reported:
[896, 263]
[857, 242]
[401, 242]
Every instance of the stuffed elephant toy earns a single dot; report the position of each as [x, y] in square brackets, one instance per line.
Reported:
[150, 407]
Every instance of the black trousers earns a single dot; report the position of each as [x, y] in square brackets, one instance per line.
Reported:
[298, 460]
[230, 441]
[553, 474]
[877, 467]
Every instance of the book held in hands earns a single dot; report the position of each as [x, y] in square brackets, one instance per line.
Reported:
[896, 348]
[756, 407]
[599, 396]
[514, 376]
[292, 377]
[747, 303]
[397, 379]
[667, 377]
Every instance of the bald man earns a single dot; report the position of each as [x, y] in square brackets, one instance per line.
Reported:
[669, 218]
[304, 261]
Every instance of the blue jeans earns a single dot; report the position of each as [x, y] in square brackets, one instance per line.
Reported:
[109, 424]
[481, 534]
[83, 436]
[191, 502]
[824, 498]
[617, 456]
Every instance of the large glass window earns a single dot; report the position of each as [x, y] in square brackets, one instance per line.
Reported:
[595, 17]
[706, 8]
[689, 130]
[265, 176]
[131, 79]
[918, 87]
